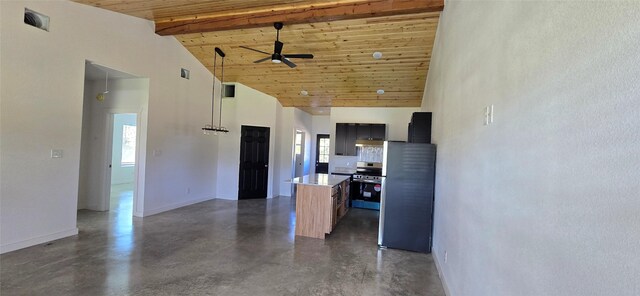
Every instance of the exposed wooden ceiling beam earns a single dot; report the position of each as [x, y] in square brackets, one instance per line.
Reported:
[339, 10]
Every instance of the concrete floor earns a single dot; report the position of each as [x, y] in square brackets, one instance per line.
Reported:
[217, 247]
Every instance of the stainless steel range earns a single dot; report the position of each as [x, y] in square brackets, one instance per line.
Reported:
[367, 185]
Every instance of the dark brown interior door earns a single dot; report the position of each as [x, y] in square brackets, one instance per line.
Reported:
[254, 162]
[322, 154]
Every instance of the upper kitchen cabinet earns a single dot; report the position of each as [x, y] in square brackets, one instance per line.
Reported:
[366, 131]
[345, 142]
[348, 133]
[420, 128]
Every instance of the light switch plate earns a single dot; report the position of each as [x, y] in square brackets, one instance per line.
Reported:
[491, 114]
[56, 153]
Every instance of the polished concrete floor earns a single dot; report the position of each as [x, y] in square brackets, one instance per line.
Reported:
[217, 247]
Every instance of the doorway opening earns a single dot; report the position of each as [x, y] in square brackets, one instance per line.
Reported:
[123, 162]
[298, 159]
[113, 136]
[299, 153]
[322, 154]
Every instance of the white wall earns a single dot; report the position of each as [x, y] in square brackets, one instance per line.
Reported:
[286, 132]
[303, 122]
[121, 174]
[396, 119]
[545, 200]
[43, 77]
[321, 124]
[249, 107]
[290, 120]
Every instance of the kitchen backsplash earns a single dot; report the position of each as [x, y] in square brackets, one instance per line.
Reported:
[343, 163]
[370, 153]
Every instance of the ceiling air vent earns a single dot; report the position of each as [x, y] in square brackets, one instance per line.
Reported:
[35, 19]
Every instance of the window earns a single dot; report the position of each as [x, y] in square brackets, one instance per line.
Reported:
[298, 143]
[324, 150]
[128, 145]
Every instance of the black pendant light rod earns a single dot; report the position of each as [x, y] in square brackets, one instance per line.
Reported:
[213, 97]
[221, 53]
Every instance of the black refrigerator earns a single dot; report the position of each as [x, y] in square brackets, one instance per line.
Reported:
[406, 202]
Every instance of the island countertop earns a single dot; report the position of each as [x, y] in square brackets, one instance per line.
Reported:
[320, 180]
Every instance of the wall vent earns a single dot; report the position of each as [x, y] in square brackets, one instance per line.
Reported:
[36, 19]
[184, 73]
[229, 91]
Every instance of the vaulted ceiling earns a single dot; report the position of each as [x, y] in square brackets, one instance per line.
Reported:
[342, 36]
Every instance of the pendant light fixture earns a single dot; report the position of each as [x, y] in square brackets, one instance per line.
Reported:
[210, 129]
[100, 96]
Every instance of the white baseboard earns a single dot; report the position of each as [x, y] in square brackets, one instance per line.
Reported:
[227, 198]
[173, 206]
[447, 291]
[37, 240]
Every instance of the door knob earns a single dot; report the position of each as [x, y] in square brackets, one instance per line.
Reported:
[266, 165]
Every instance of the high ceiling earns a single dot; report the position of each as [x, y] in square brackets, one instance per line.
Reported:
[343, 72]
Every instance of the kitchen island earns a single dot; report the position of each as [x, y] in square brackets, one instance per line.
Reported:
[321, 201]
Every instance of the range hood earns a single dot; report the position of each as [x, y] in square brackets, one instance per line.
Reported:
[363, 143]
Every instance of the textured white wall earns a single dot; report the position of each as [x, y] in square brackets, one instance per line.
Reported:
[303, 122]
[41, 90]
[285, 160]
[545, 201]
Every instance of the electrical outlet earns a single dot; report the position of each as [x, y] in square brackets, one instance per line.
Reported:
[446, 256]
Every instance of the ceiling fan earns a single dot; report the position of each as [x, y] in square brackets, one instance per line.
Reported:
[278, 57]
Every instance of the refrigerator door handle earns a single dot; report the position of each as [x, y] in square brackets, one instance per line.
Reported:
[383, 193]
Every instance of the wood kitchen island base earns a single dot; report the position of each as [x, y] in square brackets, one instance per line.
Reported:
[321, 201]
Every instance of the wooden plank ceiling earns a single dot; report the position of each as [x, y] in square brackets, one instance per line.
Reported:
[343, 72]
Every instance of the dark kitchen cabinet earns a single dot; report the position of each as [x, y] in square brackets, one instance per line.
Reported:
[345, 142]
[370, 131]
[420, 128]
[378, 131]
[363, 131]
[350, 143]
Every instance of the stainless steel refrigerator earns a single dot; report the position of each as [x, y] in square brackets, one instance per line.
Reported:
[406, 202]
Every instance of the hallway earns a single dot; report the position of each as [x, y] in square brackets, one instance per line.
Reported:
[217, 247]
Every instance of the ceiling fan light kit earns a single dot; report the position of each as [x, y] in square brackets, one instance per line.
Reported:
[277, 56]
[210, 129]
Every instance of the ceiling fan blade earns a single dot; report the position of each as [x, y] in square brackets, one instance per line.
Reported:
[262, 60]
[278, 47]
[300, 56]
[249, 48]
[288, 63]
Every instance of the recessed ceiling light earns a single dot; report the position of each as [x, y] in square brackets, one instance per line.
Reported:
[377, 55]
[380, 91]
[321, 111]
[304, 92]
